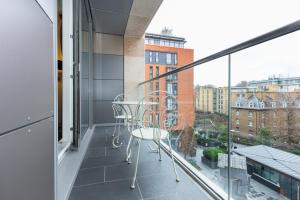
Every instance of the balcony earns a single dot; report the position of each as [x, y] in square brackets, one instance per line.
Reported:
[104, 174]
[56, 117]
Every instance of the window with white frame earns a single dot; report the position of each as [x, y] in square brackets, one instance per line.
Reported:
[250, 115]
[150, 56]
[169, 58]
[156, 57]
[250, 124]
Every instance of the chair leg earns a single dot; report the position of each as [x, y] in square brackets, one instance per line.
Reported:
[115, 137]
[128, 149]
[177, 177]
[118, 138]
[136, 166]
[115, 128]
[159, 150]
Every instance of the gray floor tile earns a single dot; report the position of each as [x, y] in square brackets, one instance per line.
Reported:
[95, 152]
[90, 176]
[105, 175]
[106, 191]
[159, 185]
[102, 161]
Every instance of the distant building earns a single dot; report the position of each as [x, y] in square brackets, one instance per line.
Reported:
[164, 53]
[211, 99]
[277, 84]
[278, 112]
[276, 169]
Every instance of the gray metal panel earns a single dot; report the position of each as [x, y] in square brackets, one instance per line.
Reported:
[107, 66]
[27, 163]
[104, 112]
[26, 78]
[107, 89]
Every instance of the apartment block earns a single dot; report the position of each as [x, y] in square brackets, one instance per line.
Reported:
[278, 112]
[164, 53]
[211, 99]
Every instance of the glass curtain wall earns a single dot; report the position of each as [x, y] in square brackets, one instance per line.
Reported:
[235, 121]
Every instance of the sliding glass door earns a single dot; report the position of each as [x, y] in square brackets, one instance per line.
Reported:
[82, 69]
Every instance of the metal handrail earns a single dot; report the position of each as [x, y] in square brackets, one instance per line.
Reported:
[287, 29]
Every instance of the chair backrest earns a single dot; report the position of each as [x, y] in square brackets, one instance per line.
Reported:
[117, 108]
[157, 110]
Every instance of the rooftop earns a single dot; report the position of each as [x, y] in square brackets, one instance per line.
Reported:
[279, 160]
[165, 37]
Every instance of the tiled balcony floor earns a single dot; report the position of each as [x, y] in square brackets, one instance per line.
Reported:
[105, 175]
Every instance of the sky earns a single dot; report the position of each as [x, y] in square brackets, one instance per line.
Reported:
[213, 25]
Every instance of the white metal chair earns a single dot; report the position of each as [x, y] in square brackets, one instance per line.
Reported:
[120, 114]
[152, 128]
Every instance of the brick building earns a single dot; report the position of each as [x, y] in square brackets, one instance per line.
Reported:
[279, 112]
[164, 53]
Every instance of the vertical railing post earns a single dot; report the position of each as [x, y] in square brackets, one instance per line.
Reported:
[229, 125]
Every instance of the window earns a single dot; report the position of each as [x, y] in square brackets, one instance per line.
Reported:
[169, 58]
[250, 115]
[274, 114]
[273, 104]
[167, 43]
[150, 57]
[250, 124]
[172, 44]
[151, 72]
[157, 71]
[237, 113]
[174, 88]
[171, 104]
[284, 104]
[157, 118]
[169, 88]
[171, 77]
[156, 57]
[150, 87]
[175, 58]
[157, 87]
[237, 122]
[251, 105]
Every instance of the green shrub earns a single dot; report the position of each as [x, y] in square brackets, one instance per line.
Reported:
[212, 153]
[296, 151]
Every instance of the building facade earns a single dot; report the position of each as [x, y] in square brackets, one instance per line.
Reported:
[277, 84]
[211, 99]
[164, 53]
[279, 113]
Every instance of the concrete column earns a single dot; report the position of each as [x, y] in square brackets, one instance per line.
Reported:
[134, 67]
